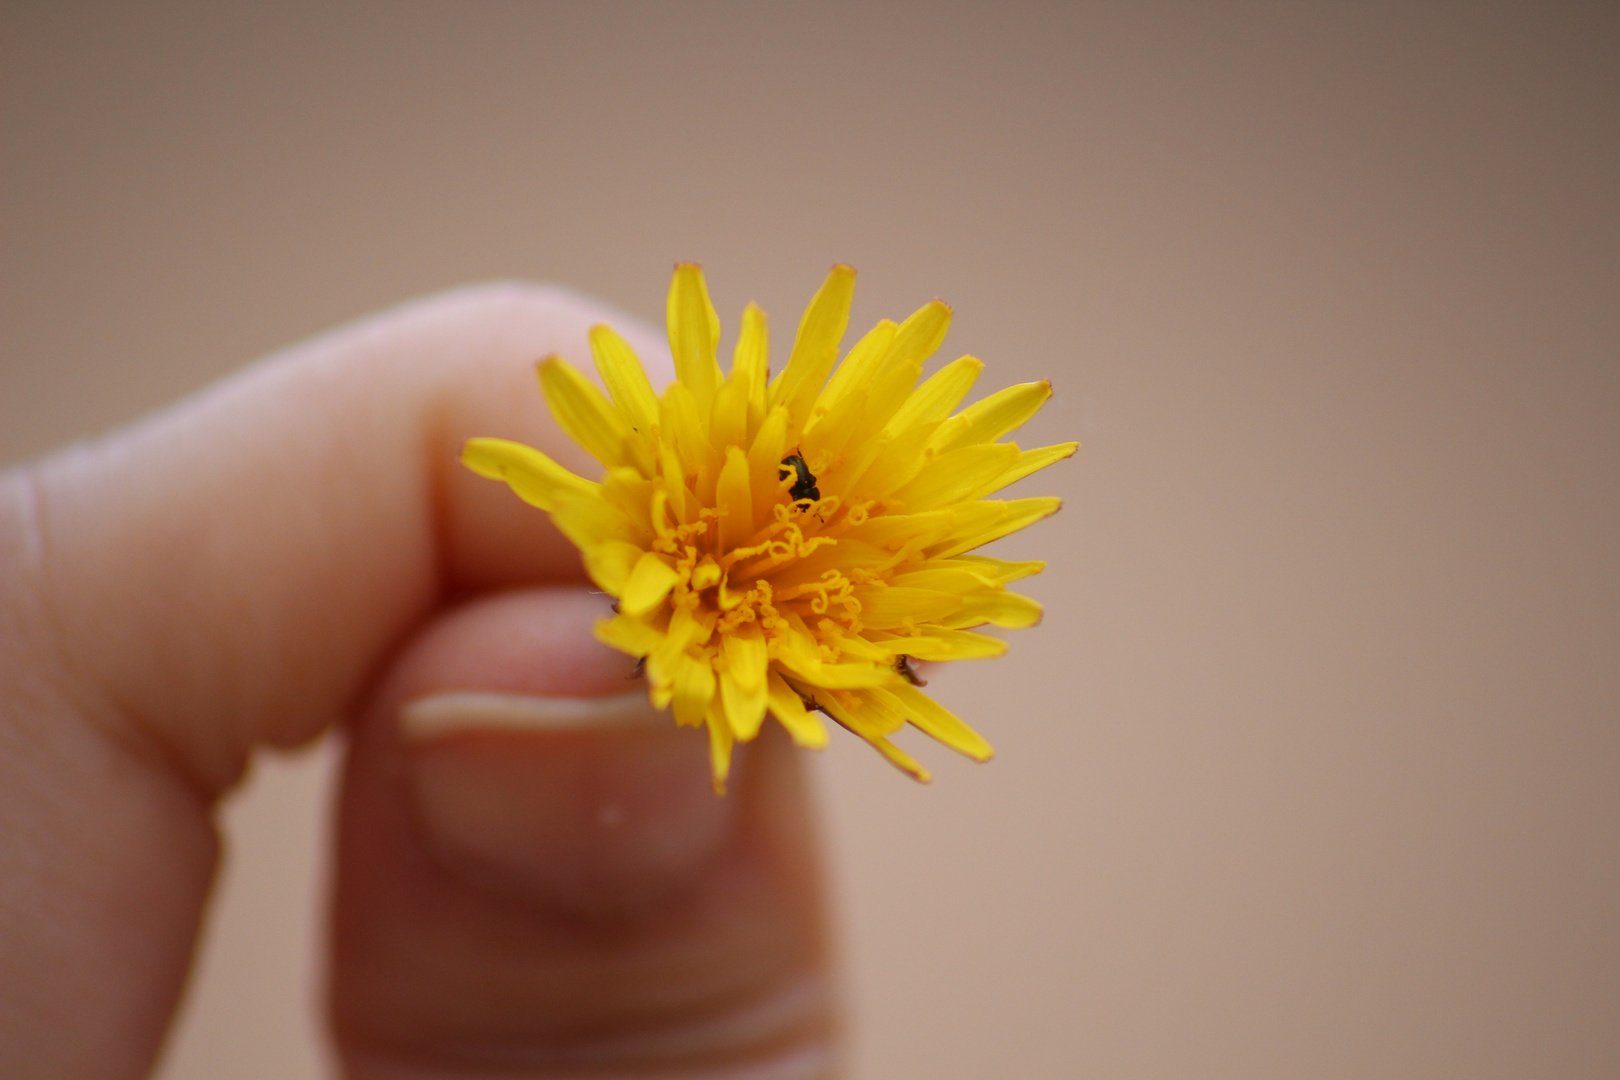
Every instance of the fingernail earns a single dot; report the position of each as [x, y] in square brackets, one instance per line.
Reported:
[472, 710]
[591, 804]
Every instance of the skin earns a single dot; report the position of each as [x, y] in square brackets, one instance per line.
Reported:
[298, 548]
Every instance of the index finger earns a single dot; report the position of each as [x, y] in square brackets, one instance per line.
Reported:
[317, 489]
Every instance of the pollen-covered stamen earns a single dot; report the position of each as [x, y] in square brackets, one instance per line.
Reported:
[833, 596]
[859, 514]
[672, 538]
[755, 605]
[758, 544]
[789, 544]
[819, 512]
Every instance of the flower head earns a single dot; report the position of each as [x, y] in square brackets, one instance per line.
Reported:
[789, 546]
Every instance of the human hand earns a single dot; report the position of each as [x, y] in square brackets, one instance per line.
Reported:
[533, 879]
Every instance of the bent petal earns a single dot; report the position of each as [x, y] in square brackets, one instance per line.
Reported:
[532, 476]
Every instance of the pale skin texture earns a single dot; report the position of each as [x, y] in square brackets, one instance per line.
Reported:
[297, 548]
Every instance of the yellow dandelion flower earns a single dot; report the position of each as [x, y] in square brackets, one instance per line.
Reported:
[789, 546]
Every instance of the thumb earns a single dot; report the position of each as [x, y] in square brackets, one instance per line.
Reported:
[536, 879]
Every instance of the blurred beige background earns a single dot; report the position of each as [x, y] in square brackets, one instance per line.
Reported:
[1313, 769]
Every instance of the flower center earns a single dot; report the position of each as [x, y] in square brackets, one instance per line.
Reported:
[765, 580]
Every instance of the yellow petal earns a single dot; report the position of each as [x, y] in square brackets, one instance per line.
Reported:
[628, 635]
[720, 740]
[939, 644]
[694, 332]
[685, 630]
[707, 573]
[632, 493]
[902, 760]
[863, 712]
[730, 599]
[934, 399]
[744, 706]
[693, 684]
[852, 376]
[535, 478]
[959, 476]
[799, 659]
[974, 531]
[1027, 462]
[934, 719]
[802, 725]
[998, 608]
[882, 398]
[649, 582]
[589, 520]
[994, 416]
[886, 395]
[609, 564]
[728, 424]
[861, 722]
[625, 378]
[899, 457]
[999, 571]
[765, 463]
[892, 531]
[854, 676]
[887, 608]
[679, 416]
[752, 358]
[861, 647]
[586, 416]
[676, 497]
[826, 435]
[735, 506]
[951, 579]
[921, 335]
[745, 656]
[815, 350]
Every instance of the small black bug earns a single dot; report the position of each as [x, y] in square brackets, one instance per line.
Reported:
[804, 487]
[811, 704]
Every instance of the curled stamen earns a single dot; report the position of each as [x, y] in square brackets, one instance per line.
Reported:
[737, 555]
[792, 546]
[807, 546]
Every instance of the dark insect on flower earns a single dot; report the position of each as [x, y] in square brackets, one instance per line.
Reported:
[903, 666]
[810, 703]
[640, 669]
[804, 487]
